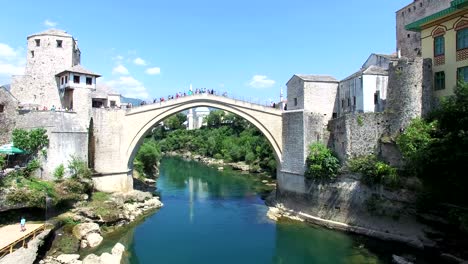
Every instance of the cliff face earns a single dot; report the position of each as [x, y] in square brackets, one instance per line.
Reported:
[348, 204]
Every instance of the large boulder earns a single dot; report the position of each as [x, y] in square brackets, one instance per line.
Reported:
[94, 239]
[106, 258]
[118, 249]
[69, 258]
[81, 230]
[92, 259]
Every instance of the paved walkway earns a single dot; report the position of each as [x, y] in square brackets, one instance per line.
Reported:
[11, 233]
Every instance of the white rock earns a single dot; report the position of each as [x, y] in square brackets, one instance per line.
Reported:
[81, 230]
[94, 239]
[107, 258]
[92, 259]
[84, 243]
[68, 258]
[274, 213]
[118, 249]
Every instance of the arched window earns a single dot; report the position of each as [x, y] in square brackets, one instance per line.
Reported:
[461, 27]
[439, 42]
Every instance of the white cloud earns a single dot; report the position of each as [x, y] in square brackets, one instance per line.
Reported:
[49, 23]
[120, 69]
[10, 69]
[139, 61]
[7, 51]
[11, 62]
[129, 87]
[153, 71]
[261, 81]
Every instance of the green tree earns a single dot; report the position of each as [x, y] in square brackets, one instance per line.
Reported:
[175, 121]
[30, 141]
[147, 157]
[215, 118]
[438, 148]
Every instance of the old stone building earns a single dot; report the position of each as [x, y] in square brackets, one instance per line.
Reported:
[54, 93]
[444, 37]
[408, 43]
[8, 113]
[366, 89]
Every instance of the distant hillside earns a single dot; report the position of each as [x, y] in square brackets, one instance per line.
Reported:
[132, 101]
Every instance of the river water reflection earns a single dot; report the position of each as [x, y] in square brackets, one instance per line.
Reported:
[219, 217]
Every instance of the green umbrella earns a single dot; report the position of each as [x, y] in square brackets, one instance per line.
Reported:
[9, 149]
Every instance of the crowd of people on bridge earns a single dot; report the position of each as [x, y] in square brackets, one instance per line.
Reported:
[183, 94]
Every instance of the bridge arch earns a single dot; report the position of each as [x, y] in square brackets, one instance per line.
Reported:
[240, 108]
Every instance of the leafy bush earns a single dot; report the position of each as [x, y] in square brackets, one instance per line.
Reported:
[59, 172]
[374, 171]
[415, 140]
[218, 156]
[147, 157]
[321, 163]
[2, 161]
[78, 168]
[31, 167]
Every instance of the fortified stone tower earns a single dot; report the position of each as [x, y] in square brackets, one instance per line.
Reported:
[48, 53]
[409, 91]
[311, 104]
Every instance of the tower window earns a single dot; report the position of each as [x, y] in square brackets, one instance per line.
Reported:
[295, 101]
[38, 42]
[66, 79]
[89, 80]
[376, 97]
[32, 53]
[59, 43]
[354, 100]
[76, 79]
[61, 80]
[2, 107]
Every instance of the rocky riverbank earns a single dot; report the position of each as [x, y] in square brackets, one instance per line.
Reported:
[115, 257]
[104, 213]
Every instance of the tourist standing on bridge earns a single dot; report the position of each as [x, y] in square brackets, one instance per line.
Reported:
[23, 224]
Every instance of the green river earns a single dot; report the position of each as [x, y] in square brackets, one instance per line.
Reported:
[212, 216]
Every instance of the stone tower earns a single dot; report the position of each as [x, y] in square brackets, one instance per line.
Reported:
[409, 91]
[48, 53]
[311, 104]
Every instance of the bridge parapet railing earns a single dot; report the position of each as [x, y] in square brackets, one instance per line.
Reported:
[237, 98]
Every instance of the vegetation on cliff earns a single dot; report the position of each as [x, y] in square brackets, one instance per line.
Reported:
[436, 151]
[321, 163]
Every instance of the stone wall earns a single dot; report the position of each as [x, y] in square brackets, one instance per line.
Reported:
[409, 91]
[355, 135]
[8, 116]
[409, 42]
[67, 136]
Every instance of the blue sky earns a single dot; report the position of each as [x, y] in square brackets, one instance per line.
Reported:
[249, 48]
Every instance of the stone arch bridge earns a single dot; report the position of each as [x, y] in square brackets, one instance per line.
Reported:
[116, 134]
